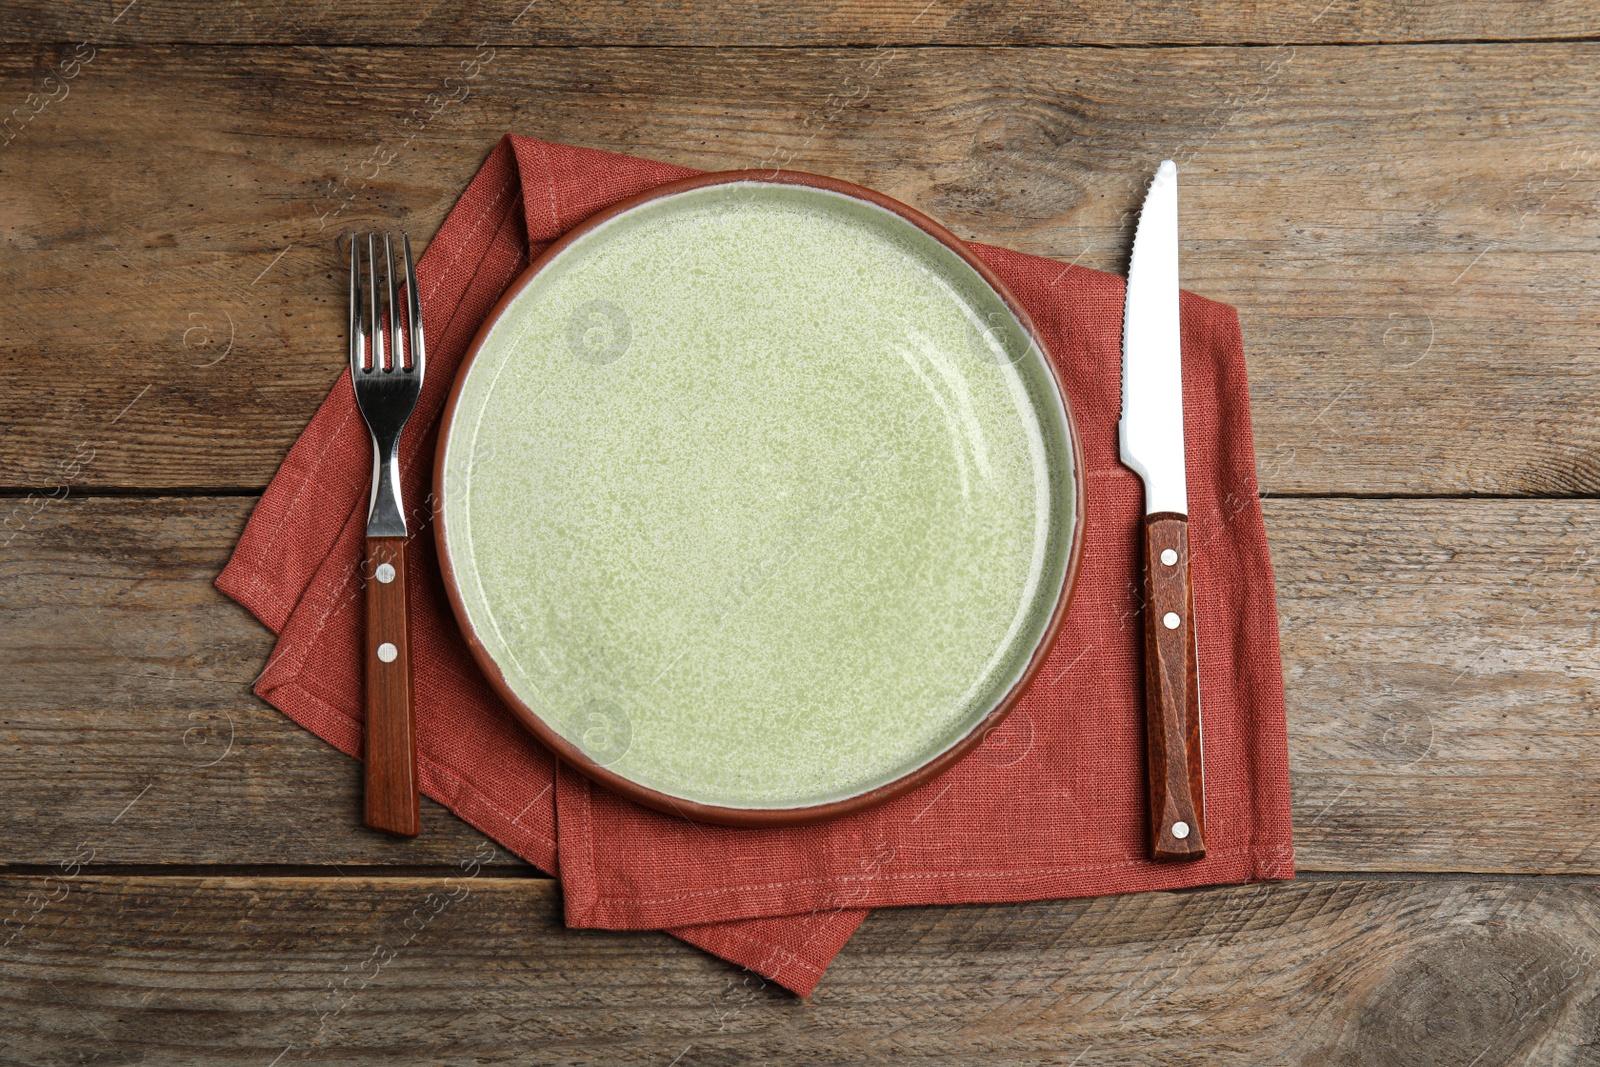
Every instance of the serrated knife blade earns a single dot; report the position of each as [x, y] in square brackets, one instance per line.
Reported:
[1150, 438]
[1151, 431]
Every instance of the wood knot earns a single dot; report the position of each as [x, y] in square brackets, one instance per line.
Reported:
[1470, 997]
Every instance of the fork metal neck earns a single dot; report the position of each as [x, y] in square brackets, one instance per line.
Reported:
[384, 517]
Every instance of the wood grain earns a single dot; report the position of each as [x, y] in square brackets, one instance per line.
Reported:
[128, 720]
[1408, 232]
[1442, 660]
[1441, 664]
[389, 755]
[1172, 694]
[481, 970]
[1390, 298]
[770, 22]
[242, 787]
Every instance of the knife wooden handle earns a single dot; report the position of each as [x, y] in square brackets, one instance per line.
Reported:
[1172, 693]
[392, 802]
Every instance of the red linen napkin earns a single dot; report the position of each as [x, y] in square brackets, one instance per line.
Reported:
[1051, 805]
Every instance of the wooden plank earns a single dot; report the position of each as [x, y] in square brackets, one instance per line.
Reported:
[1418, 318]
[1440, 660]
[480, 970]
[769, 22]
[108, 605]
[241, 786]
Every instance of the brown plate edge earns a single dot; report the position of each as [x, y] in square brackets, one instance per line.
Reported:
[713, 813]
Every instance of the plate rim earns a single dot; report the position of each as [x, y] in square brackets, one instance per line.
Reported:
[718, 814]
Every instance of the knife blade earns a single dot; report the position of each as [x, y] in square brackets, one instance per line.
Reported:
[1150, 438]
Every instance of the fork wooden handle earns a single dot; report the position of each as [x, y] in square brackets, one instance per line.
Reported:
[392, 802]
[1172, 693]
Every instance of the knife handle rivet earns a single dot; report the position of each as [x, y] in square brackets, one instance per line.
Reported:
[1180, 830]
[384, 573]
[1169, 558]
[1170, 620]
[387, 652]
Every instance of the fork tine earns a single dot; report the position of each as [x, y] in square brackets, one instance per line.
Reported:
[392, 327]
[374, 308]
[358, 334]
[414, 344]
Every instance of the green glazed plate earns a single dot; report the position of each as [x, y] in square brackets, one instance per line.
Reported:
[758, 498]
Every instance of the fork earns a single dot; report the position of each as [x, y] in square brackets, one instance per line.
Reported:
[386, 391]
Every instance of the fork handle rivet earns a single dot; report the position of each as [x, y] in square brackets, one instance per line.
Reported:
[387, 652]
[384, 573]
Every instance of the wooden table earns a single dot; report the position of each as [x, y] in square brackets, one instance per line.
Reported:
[1401, 202]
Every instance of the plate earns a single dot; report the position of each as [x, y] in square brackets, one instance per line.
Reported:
[757, 498]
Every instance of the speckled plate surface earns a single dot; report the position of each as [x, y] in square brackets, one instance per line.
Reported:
[757, 499]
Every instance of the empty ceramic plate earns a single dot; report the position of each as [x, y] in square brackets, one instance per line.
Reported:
[757, 498]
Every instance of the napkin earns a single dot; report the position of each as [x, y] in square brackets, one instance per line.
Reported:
[1052, 804]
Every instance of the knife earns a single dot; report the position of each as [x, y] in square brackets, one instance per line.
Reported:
[1151, 439]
